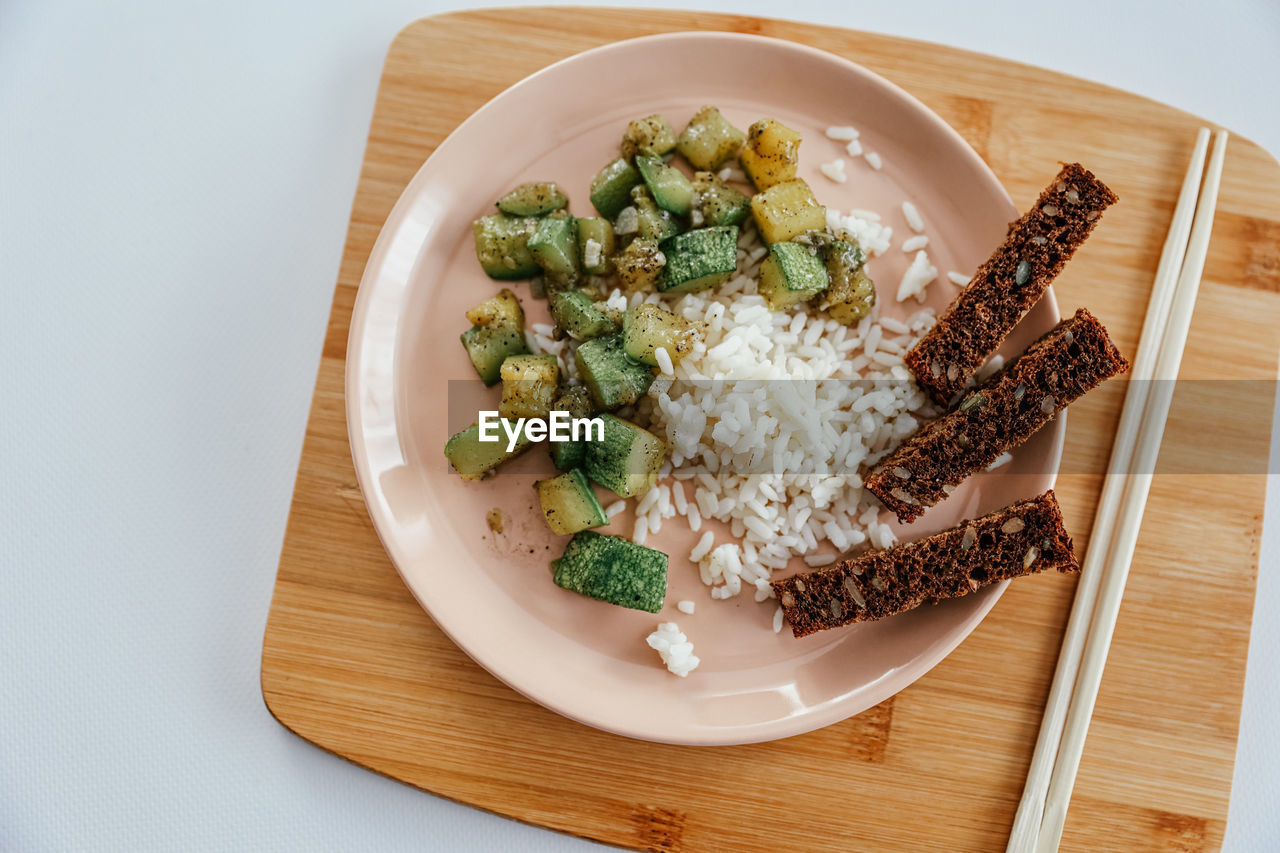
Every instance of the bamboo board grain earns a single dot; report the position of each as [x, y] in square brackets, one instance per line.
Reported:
[352, 664]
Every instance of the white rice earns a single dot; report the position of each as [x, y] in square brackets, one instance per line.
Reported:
[674, 648]
[628, 221]
[703, 547]
[914, 244]
[913, 216]
[959, 279]
[918, 276]
[728, 173]
[834, 170]
[664, 361]
[779, 460]
[591, 252]
[854, 148]
[874, 160]
[841, 133]
[874, 238]
[687, 606]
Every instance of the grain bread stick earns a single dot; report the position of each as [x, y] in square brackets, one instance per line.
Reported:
[1008, 283]
[1021, 539]
[1073, 357]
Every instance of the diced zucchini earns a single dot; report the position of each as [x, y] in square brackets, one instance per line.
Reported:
[640, 265]
[669, 187]
[612, 378]
[474, 459]
[596, 245]
[652, 222]
[717, 203]
[576, 401]
[579, 316]
[502, 309]
[645, 328]
[627, 459]
[611, 569]
[699, 259]
[653, 133]
[852, 294]
[502, 246]
[709, 141]
[567, 454]
[819, 238]
[554, 245]
[787, 210]
[771, 154]
[791, 274]
[529, 385]
[490, 347]
[533, 199]
[569, 503]
[611, 187]
[497, 333]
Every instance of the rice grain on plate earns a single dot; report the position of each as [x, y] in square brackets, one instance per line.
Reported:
[914, 244]
[674, 648]
[918, 276]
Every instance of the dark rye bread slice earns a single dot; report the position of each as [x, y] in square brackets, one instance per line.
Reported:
[1001, 414]
[1021, 539]
[1011, 281]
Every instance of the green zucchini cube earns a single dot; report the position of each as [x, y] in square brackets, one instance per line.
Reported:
[502, 246]
[612, 378]
[580, 317]
[475, 459]
[569, 503]
[596, 242]
[611, 188]
[576, 401]
[645, 328]
[791, 274]
[709, 140]
[669, 187]
[653, 133]
[626, 459]
[786, 210]
[533, 199]
[554, 245]
[717, 203]
[497, 334]
[851, 294]
[652, 222]
[614, 570]
[640, 265]
[529, 385]
[699, 259]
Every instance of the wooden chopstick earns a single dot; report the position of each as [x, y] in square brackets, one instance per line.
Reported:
[1027, 825]
[1120, 552]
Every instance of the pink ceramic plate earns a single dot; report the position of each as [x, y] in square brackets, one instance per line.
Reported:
[492, 592]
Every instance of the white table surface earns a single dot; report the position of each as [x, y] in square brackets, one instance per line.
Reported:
[175, 180]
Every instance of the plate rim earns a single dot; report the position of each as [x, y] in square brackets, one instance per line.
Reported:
[754, 732]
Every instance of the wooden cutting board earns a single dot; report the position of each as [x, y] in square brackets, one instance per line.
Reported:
[352, 664]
